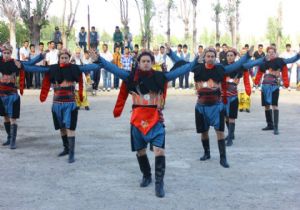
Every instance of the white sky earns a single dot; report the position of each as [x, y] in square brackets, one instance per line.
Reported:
[253, 15]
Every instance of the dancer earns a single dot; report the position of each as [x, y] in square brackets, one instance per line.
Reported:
[9, 97]
[272, 68]
[210, 80]
[146, 87]
[64, 76]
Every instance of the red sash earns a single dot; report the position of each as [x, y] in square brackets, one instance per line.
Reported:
[144, 118]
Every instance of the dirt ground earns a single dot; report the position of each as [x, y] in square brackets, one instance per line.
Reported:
[264, 169]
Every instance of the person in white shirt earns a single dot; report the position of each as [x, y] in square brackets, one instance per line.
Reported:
[288, 54]
[24, 51]
[52, 55]
[106, 75]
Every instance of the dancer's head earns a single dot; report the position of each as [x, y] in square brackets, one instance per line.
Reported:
[231, 55]
[145, 60]
[6, 51]
[64, 56]
[271, 52]
[210, 55]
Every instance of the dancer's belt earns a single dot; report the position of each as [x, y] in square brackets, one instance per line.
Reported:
[64, 94]
[7, 89]
[208, 96]
[270, 79]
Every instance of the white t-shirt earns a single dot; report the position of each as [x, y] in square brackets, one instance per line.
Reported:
[288, 55]
[107, 56]
[52, 57]
[24, 51]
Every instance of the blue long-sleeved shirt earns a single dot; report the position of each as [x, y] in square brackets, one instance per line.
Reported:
[83, 68]
[121, 73]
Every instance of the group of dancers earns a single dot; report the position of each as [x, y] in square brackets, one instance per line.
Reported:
[217, 102]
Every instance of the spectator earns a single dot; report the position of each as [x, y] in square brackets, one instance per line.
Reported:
[126, 60]
[25, 56]
[52, 55]
[117, 61]
[288, 54]
[186, 57]
[94, 38]
[200, 54]
[134, 56]
[118, 39]
[105, 74]
[82, 38]
[180, 55]
[128, 39]
[223, 59]
[57, 36]
[218, 50]
[59, 46]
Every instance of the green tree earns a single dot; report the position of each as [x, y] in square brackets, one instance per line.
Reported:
[4, 32]
[22, 33]
[34, 18]
[105, 37]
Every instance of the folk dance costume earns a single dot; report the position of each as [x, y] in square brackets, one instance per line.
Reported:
[147, 124]
[231, 93]
[9, 97]
[210, 81]
[272, 70]
[64, 77]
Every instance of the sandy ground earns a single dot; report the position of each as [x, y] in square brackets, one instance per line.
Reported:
[264, 172]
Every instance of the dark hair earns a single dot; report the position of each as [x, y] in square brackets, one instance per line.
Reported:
[105, 45]
[145, 53]
[180, 45]
[93, 27]
[48, 43]
[31, 45]
[86, 51]
[41, 43]
[126, 47]
[136, 45]
[260, 45]
[288, 45]
[52, 42]
[162, 47]
[185, 46]
[82, 27]
[273, 44]
[26, 41]
[224, 45]
[246, 45]
[200, 46]
[218, 44]
[60, 43]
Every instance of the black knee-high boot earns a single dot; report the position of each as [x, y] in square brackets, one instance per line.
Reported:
[7, 129]
[66, 146]
[71, 141]
[269, 119]
[276, 120]
[145, 169]
[13, 133]
[205, 144]
[160, 167]
[230, 134]
[222, 150]
[227, 126]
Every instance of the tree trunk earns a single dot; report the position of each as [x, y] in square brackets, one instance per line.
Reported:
[186, 29]
[169, 25]
[194, 25]
[12, 37]
[35, 31]
[218, 28]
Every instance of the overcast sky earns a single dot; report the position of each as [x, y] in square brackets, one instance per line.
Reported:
[254, 14]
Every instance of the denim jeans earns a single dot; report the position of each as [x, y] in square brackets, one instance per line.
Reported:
[106, 79]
